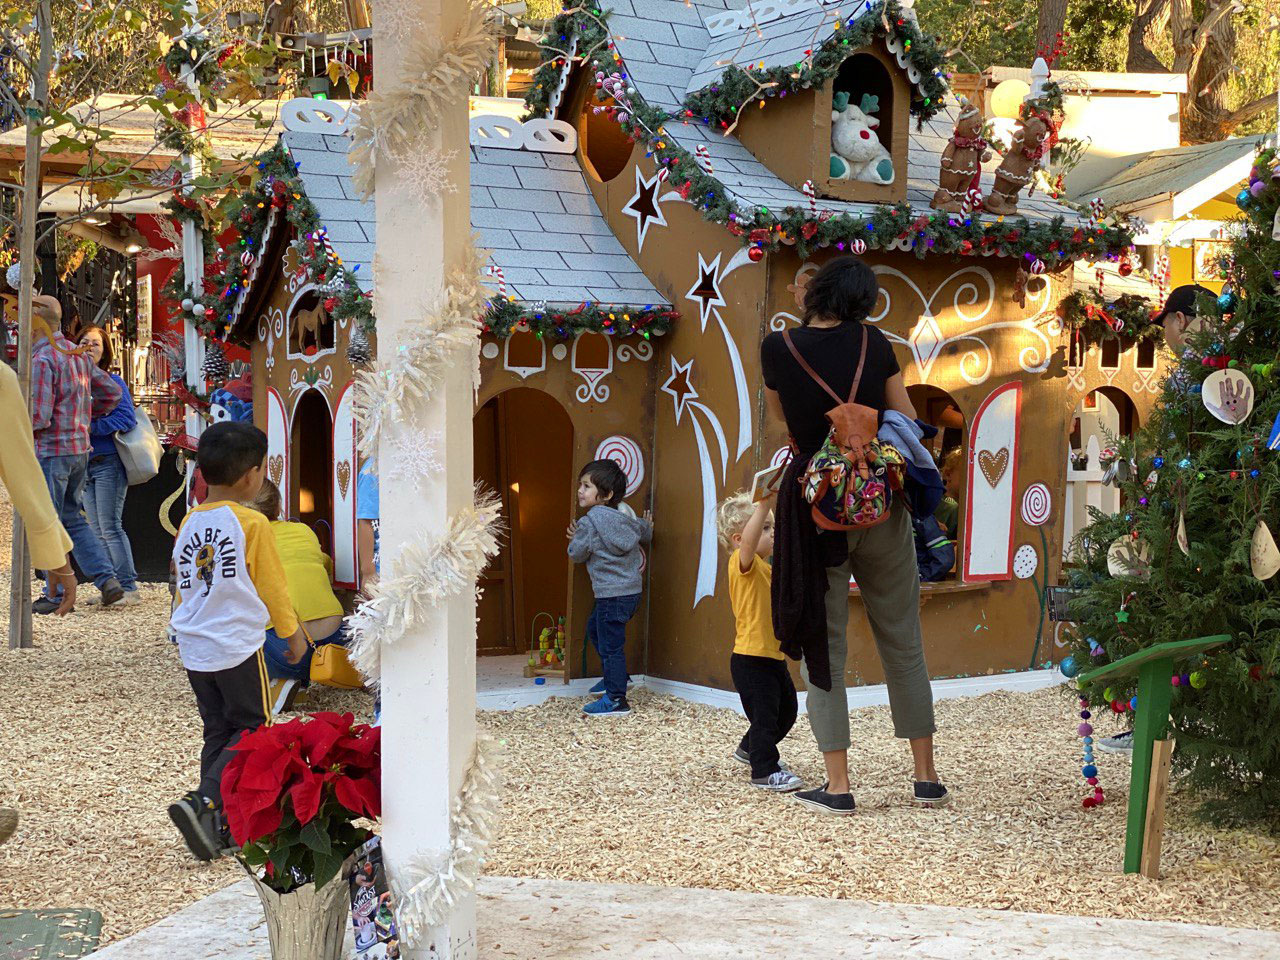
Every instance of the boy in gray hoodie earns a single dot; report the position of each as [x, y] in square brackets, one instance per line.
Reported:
[608, 541]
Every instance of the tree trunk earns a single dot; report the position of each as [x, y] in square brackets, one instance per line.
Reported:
[1206, 51]
[20, 566]
[1150, 21]
[1050, 20]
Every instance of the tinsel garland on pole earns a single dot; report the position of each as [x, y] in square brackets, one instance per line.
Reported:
[505, 317]
[427, 574]
[277, 191]
[413, 370]
[426, 887]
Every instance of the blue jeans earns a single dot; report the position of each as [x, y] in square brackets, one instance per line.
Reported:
[278, 668]
[607, 631]
[66, 477]
[104, 495]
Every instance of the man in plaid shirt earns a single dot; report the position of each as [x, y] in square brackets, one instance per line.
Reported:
[67, 391]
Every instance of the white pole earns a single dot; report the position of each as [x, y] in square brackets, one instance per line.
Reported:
[428, 676]
[192, 252]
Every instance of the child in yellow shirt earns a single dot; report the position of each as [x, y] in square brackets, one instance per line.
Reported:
[757, 666]
[230, 586]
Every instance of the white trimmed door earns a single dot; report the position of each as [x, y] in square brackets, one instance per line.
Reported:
[344, 491]
[278, 445]
[992, 485]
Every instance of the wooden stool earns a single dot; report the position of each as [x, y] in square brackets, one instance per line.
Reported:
[1154, 668]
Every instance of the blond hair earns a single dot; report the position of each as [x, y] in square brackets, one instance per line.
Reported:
[952, 459]
[732, 516]
[268, 501]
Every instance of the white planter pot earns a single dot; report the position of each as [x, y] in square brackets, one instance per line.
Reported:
[306, 924]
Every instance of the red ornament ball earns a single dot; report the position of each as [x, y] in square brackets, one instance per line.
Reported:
[1092, 781]
[756, 254]
[966, 246]
[858, 246]
[1125, 268]
[1117, 706]
[1088, 802]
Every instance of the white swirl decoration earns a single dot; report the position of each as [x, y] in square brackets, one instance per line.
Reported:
[640, 350]
[1037, 504]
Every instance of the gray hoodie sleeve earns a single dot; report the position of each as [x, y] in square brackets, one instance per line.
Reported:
[580, 545]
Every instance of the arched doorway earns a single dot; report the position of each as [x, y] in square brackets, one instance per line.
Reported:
[939, 409]
[312, 463]
[524, 451]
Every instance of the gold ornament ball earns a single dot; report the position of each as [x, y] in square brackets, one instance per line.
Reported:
[1007, 97]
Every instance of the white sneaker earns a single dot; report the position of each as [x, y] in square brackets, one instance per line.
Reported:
[1120, 743]
[131, 598]
[784, 781]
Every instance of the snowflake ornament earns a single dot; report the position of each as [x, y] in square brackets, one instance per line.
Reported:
[426, 172]
[414, 456]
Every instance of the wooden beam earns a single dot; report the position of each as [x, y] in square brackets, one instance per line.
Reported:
[1153, 830]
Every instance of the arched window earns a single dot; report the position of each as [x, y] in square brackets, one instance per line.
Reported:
[939, 409]
[604, 147]
[311, 330]
[865, 75]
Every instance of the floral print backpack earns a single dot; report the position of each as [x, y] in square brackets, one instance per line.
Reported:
[849, 483]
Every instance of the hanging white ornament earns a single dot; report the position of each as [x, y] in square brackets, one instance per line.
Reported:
[1228, 395]
[1183, 543]
[13, 276]
[1129, 558]
[1264, 558]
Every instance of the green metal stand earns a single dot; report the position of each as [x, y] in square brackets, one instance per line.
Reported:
[1154, 668]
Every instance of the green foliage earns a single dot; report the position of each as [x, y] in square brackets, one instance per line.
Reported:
[506, 316]
[299, 855]
[1222, 479]
[1126, 317]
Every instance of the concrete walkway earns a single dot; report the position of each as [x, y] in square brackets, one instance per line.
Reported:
[553, 920]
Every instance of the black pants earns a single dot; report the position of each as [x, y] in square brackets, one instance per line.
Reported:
[769, 701]
[232, 702]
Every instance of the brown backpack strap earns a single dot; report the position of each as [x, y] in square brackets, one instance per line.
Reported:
[804, 365]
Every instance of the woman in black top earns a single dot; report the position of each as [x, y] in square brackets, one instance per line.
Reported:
[812, 568]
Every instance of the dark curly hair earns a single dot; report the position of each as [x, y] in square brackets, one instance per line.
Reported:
[842, 289]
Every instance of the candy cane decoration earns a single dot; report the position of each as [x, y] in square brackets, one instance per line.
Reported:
[1096, 208]
[704, 156]
[1099, 274]
[807, 189]
[972, 200]
[495, 271]
[1162, 274]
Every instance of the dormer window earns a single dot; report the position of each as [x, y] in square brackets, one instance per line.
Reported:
[848, 137]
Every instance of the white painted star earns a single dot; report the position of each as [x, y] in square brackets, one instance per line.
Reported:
[644, 207]
[679, 387]
[705, 291]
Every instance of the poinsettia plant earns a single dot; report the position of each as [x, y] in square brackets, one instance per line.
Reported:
[293, 792]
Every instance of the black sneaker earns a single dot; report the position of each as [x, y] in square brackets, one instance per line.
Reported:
[199, 824]
[44, 606]
[112, 592]
[836, 804]
[931, 794]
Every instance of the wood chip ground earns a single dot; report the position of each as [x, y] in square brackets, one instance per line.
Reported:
[100, 733]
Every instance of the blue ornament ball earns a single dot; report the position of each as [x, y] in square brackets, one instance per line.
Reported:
[1069, 667]
[1227, 301]
[1243, 198]
[1088, 770]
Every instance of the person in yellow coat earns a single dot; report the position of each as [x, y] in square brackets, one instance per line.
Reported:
[21, 475]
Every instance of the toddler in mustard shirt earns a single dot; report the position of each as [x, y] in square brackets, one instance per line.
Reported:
[757, 666]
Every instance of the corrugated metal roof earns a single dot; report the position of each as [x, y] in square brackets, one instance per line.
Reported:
[1161, 173]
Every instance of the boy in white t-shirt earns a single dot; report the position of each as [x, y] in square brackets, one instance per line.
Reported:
[230, 586]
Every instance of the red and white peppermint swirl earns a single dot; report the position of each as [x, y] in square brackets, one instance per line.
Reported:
[625, 452]
[1037, 504]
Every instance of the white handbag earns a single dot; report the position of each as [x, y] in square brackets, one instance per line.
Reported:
[140, 449]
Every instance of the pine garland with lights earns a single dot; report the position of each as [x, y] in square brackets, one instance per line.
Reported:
[277, 190]
[1222, 480]
[505, 317]
[1126, 317]
[718, 103]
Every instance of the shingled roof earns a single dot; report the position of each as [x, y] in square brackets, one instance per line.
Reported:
[668, 50]
[532, 209]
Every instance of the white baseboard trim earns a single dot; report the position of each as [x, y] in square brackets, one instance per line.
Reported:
[863, 696]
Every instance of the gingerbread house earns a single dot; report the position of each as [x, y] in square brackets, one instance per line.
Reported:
[645, 222]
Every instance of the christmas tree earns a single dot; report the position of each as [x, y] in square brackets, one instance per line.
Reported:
[1205, 464]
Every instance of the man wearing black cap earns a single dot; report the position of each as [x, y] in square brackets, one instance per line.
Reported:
[1179, 314]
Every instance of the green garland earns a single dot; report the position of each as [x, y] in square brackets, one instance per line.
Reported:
[931, 232]
[504, 317]
[719, 102]
[276, 186]
[1127, 317]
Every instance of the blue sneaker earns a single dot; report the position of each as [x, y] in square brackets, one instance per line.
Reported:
[600, 688]
[606, 706]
